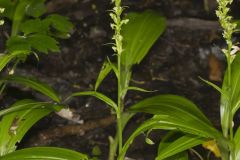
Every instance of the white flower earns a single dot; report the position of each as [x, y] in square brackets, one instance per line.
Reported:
[234, 50]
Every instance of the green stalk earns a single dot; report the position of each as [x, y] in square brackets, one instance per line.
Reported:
[230, 134]
[119, 122]
[228, 29]
[120, 107]
[118, 48]
[119, 130]
[122, 78]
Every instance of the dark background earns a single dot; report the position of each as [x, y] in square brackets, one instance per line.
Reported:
[189, 48]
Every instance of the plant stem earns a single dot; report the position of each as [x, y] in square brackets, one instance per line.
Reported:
[120, 106]
[197, 154]
[119, 130]
[118, 48]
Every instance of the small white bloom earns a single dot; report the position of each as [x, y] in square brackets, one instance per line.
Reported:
[234, 50]
[2, 10]
[1, 22]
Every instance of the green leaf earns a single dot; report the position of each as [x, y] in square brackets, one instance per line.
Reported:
[237, 143]
[98, 95]
[235, 83]
[215, 87]
[36, 8]
[60, 23]
[5, 59]
[5, 137]
[34, 84]
[167, 140]
[149, 141]
[18, 119]
[33, 26]
[138, 89]
[18, 43]
[153, 123]
[43, 43]
[27, 104]
[45, 153]
[140, 34]
[106, 68]
[229, 106]
[175, 143]
[165, 122]
[149, 124]
[114, 67]
[180, 113]
[165, 104]
[180, 156]
[96, 151]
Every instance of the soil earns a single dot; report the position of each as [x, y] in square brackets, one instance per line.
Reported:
[189, 48]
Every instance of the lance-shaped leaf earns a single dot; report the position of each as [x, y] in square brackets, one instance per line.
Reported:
[237, 143]
[180, 156]
[45, 153]
[5, 59]
[147, 125]
[215, 87]
[175, 143]
[106, 68]
[165, 122]
[151, 124]
[25, 104]
[137, 89]
[140, 34]
[99, 96]
[169, 104]
[18, 119]
[180, 112]
[235, 83]
[34, 84]
[229, 106]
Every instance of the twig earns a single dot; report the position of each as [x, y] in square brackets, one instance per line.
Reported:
[48, 136]
[194, 24]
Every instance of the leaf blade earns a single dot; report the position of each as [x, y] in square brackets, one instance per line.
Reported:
[106, 69]
[34, 84]
[5, 59]
[45, 153]
[18, 119]
[140, 34]
[98, 95]
[43, 43]
[153, 105]
[177, 145]
[237, 143]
